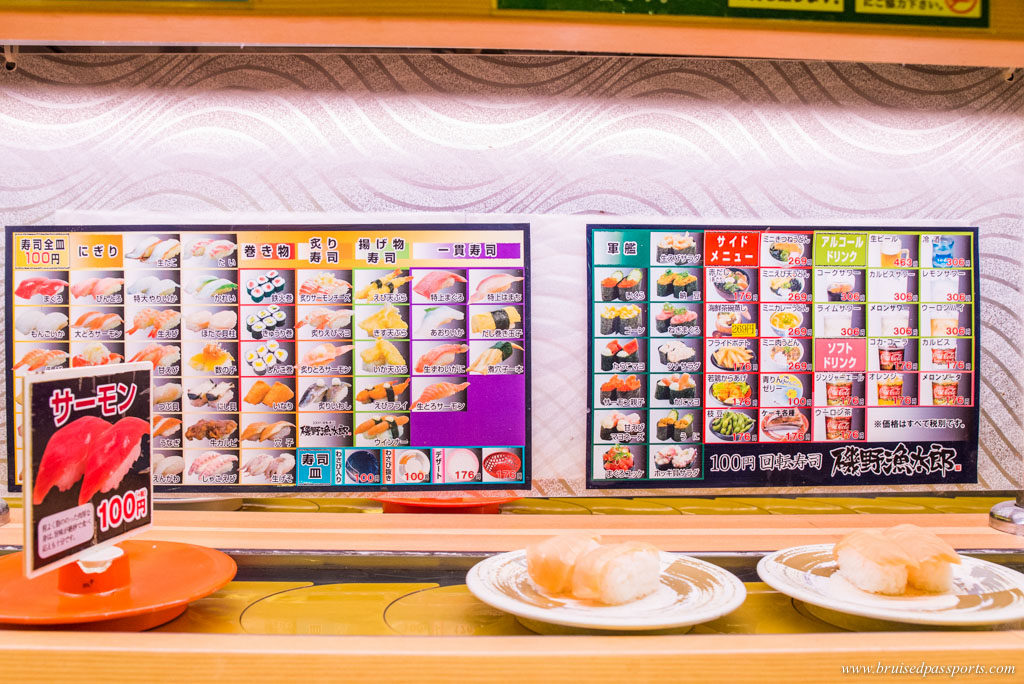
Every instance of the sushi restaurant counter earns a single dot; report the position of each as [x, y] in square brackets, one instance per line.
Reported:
[336, 583]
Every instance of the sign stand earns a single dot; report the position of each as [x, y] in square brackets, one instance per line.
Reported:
[1008, 516]
[113, 588]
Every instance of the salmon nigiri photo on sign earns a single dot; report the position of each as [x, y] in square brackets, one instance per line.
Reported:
[88, 472]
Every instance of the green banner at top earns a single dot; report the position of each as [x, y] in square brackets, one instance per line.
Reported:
[963, 13]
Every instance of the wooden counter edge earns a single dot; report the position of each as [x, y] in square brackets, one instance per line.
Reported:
[66, 656]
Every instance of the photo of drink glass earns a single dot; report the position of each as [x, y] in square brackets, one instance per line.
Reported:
[942, 251]
[892, 252]
[890, 390]
[840, 286]
[890, 358]
[839, 392]
[838, 323]
[945, 327]
[943, 286]
[896, 323]
[886, 286]
[945, 389]
[838, 424]
[943, 355]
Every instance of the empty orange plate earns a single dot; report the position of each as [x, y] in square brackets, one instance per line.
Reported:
[455, 504]
[165, 578]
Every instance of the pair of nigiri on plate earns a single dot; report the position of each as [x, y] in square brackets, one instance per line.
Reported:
[435, 281]
[891, 560]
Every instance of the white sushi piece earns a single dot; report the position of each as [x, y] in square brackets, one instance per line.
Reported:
[223, 320]
[872, 562]
[165, 249]
[27, 322]
[436, 317]
[220, 393]
[216, 287]
[165, 393]
[172, 465]
[143, 285]
[196, 284]
[219, 249]
[280, 356]
[261, 350]
[53, 322]
[198, 393]
[141, 248]
[163, 288]
[250, 357]
[273, 346]
[198, 320]
[198, 247]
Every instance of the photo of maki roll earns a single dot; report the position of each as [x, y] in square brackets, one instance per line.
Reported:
[609, 287]
[664, 284]
[610, 320]
[684, 285]
[666, 428]
[631, 287]
[680, 428]
[683, 388]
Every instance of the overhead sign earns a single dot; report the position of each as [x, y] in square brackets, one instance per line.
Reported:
[960, 13]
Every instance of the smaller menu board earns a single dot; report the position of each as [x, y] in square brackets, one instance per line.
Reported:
[88, 479]
[774, 356]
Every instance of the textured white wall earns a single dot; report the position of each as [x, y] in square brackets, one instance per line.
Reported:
[700, 140]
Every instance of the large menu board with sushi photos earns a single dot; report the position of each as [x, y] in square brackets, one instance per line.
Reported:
[746, 356]
[317, 358]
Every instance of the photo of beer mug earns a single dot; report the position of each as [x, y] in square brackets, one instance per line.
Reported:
[892, 251]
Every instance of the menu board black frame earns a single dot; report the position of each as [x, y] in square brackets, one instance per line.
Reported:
[471, 235]
[721, 464]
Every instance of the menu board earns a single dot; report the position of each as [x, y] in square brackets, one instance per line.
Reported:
[331, 358]
[753, 356]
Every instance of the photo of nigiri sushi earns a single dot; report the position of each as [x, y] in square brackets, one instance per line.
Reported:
[494, 359]
[326, 396]
[165, 426]
[384, 321]
[155, 323]
[268, 468]
[97, 289]
[383, 286]
[433, 396]
[212, 323]
[324, 354]
[320, 318]
[206, 467]
[160, 355]
[279, 431]
[111, 455]
[167, 469]
[167, 393]
[325, 287]
[440, 286]
[209, 249]
[41, 286]
[388, 391]
[211, 393]
[38, 323]
[40, 359]
[212, 288]
[95, 354]
[384, 427]
[211, 357]
[505, 318]
[153, 289]
[440, 357]
[496, 287]
[95, 321]
[155, 249]
[437, 318]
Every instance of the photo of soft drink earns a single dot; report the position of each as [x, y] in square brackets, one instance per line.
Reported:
[942, 252]
[944, 390]
[890, 391]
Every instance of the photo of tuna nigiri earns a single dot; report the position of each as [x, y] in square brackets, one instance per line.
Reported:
[435, 281]
[46, 287]
[437, 392]
[499, 282]
[65, 456]
[441, 355]
[111, 455]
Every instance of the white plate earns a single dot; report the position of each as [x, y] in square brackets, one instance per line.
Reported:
[983, 593]
[692, 591]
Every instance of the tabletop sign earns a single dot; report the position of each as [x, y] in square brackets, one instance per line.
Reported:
[782, 356]
[88, 480]
[339, 358]
[962, 13]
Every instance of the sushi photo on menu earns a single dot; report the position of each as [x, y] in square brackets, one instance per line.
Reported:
[88, 475]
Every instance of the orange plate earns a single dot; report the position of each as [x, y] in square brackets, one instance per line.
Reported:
[165, 577]
[457, 504]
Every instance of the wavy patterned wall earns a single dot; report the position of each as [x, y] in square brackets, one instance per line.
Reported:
[191, 135]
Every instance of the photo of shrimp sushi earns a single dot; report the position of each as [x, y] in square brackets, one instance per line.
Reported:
[210, 467]
[46, 286]
[321, 318]
[164, 356]
[39, 323]
[440, 286]
[445, 394]
[495, 286]
[382, 286]
[105, 290]
[160, 250]
[153, 323]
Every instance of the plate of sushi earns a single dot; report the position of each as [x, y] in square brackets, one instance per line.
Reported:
[902, 574]
[625, 287]
[678, 284]
[676, 248]
[576, 581]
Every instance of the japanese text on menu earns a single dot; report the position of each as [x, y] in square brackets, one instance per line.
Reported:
[782, 356]
[373, 357]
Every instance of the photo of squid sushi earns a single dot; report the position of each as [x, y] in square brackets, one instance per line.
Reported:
[439, 321]
[383, 286]
[505, 318]
[160, 250]
[38, 323]
[158, 288]
[212, 288]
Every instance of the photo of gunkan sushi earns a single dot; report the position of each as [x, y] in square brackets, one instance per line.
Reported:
[622, 356]
[678, 320]
[675, 458]
[677, 390]
[677, 355]
[676, 248]
[677, 283]
[613, 426]
[628, 319]
[625, 391]
[676, 426]
[628, 286]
